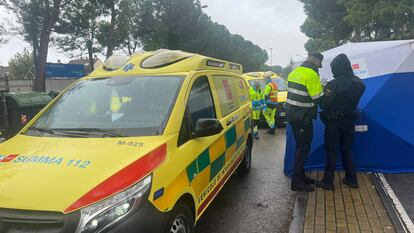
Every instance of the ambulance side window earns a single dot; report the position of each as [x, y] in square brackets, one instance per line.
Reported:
[228, 93]
[199, 105]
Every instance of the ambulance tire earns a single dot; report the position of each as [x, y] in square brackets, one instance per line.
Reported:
[181, 219]
[246, 164]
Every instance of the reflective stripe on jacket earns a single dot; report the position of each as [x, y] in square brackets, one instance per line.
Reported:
[304, 88]
[256, 96]
[271, 93]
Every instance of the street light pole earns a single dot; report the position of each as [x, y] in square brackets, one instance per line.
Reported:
[271, 57]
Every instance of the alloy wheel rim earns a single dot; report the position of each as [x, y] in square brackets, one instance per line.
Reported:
[179, 225]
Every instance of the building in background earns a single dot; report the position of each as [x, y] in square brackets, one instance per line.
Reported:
[3, 71]
[97, 63]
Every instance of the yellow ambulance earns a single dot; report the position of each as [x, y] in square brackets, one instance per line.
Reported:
[280, 116]
[143, 144]
[253, 77]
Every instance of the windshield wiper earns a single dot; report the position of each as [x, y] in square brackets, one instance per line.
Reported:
[82, 131]
[56, 133]
[42, 130]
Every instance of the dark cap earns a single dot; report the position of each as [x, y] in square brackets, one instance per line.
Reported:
[319, 56]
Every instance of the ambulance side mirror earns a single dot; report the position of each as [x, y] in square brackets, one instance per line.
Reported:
[207, 127]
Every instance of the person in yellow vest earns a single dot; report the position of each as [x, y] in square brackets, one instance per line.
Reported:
[305, 93]
[256, 96]
[270, 98]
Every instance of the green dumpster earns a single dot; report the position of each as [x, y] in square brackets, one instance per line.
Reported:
[21, 108]
[53, 94]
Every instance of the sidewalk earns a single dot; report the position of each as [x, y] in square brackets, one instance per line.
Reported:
[346, 210]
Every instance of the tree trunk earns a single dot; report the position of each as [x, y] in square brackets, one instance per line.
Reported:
[40, 81]
[111, 33]
[50, 18]
[35, 48]
[91, 60]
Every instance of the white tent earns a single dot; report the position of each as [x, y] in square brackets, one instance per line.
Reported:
[382, 58]
[385, 141]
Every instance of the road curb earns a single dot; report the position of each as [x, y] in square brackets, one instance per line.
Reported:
[298, 217]
[388, 204]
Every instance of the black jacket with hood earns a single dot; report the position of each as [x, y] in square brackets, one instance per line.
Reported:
[342, 94]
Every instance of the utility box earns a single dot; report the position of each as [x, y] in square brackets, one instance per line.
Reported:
[18, 109]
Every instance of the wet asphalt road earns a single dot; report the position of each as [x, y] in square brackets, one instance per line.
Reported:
[261, 202]
[402, 185]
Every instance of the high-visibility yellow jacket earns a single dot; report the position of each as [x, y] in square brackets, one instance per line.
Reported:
[304, 89]
[256, 96]
[270, 95]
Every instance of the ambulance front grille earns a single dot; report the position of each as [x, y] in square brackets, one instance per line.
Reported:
[18, 221]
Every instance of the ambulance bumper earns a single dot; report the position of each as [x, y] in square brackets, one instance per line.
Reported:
[146, 219]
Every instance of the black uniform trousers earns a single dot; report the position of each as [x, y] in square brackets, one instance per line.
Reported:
[339, 133]
[303, 135]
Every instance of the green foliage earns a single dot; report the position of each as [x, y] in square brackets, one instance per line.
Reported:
[36, 20]
[180, 24]
[129, 25]
[374, 20]
[325, 25]
[134, 23]
[276, 69]
[112, 29]
[21, 65]
[2, 34]
[334, 22]
[29, 16]
[78, 27]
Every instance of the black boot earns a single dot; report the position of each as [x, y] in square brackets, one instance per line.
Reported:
[271, 131]
[302, 188]
[308, 180]
[350, 184]
[323, 185]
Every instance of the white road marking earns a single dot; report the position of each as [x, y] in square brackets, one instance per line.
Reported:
[403, 216]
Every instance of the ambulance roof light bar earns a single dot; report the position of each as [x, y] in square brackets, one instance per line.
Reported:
[254, 74]
[235, 66]
[162, 58]
[217, 64]
[115, 62]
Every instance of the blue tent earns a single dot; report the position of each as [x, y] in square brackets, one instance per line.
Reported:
[384, 139]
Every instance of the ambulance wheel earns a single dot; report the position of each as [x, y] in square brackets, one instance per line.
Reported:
[246, 164]
[181, 220]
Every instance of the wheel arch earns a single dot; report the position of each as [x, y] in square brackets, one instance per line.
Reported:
[189, 200]
[249, 142]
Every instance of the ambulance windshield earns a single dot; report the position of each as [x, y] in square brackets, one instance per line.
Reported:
[114, 107]
[261, 82]
[281, 84]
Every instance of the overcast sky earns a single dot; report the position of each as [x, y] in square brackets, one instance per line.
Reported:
[267, 23]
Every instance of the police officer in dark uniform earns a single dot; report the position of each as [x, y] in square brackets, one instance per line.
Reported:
[340, 101]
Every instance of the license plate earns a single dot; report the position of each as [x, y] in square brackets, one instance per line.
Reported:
[282, 114]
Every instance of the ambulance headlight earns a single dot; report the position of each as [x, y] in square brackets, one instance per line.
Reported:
[104, 214]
